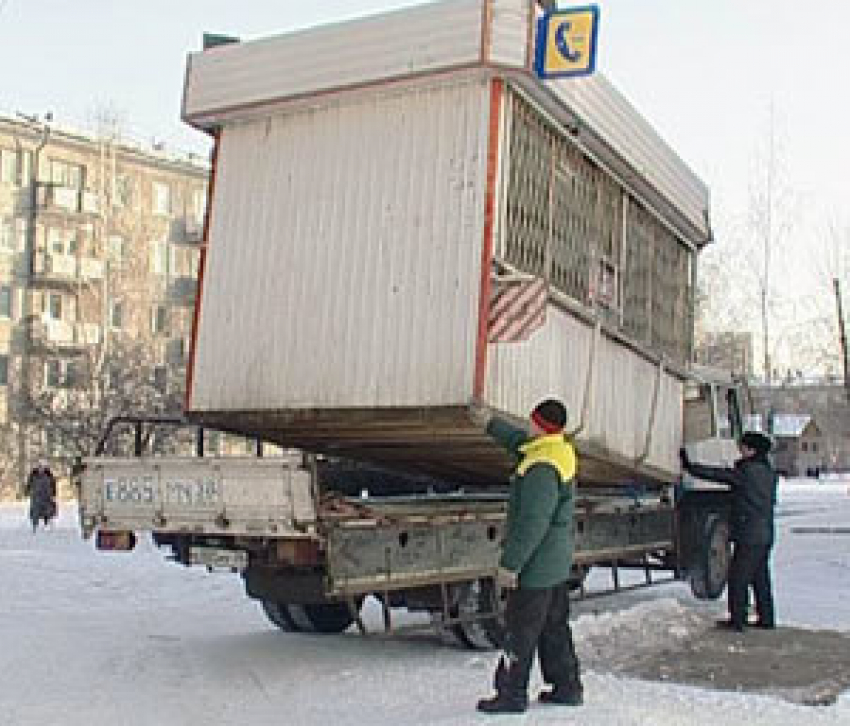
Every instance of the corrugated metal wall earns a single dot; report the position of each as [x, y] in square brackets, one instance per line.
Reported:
[616, 121]
[344, 254]
[413, 40]
[554, 361]
[509, 32]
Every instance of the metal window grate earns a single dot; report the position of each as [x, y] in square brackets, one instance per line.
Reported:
[564, 220]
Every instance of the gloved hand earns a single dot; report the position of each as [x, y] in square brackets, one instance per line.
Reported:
[506, 579]
[479, 414]
[684, 458]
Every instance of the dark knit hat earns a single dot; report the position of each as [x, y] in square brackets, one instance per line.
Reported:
[550, 415]
[757, 441]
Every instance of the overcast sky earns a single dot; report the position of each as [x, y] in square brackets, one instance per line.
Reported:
[706, 74]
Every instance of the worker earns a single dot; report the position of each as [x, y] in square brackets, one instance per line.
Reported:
[535, 562]
[753, 483]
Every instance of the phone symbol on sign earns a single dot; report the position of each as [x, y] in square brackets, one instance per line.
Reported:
[563, 43]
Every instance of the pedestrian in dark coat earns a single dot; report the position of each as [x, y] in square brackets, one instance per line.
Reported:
[753, 483]
[41, 488]
[535, 563]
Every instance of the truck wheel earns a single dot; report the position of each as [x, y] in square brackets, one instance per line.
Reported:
[709, 573]
[479, 597]
[278, 614]
[322, 618]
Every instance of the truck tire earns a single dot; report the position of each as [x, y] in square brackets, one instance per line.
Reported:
[478, 597]
[321, 618]
[708, 575]
[278, 614]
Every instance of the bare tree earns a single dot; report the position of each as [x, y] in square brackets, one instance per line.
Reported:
[828, 267]
[9, 484]
[770, 225]
[124, 381]
[739, 277]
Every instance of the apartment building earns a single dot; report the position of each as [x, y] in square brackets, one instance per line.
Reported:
[99, 249]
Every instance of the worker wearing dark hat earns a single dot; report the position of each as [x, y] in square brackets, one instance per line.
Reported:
[535, 564]
[753, 483]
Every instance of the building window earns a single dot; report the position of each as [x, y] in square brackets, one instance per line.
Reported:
[21, 233]
[7, 235]
[159, 319]
[53, 373]
[117, 249]
[55, 241]
[26, 167]
[160, 378]
[54, 306]
[66, 174]
[161, 198]
[804, 446]
[122, 191]
[199, 204]
[194, 263]
[4, 370]
[159, 258]
[8, 166]
[116, 314]
[75, 374]
[5, 301]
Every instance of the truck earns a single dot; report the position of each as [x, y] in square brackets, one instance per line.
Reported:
[404, 224]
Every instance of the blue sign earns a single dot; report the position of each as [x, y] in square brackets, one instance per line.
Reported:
[566, 42]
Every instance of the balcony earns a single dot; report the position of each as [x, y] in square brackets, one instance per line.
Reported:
[91, 269]
[55, 268]
[182, 290]
[88, 334]
[186, 231]
[66, 269]
[89, 202]
[175, 353]
[52, 197]
[50, 334]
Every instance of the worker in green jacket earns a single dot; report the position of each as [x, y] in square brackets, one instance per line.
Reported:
[535, 563]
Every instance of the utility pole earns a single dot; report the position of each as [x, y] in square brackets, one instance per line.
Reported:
[767, 243]
[842, 337]
[25, 394]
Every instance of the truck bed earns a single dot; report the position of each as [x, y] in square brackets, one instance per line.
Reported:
[441, 443]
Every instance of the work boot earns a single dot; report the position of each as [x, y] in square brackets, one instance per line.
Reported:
[509, 697]
[562, 696]
[503, 703]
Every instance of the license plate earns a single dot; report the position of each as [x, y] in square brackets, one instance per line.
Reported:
[217, 558]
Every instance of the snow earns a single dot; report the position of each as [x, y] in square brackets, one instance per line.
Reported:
[110, 638]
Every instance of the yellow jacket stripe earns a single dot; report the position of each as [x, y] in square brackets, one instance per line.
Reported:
[553, 449]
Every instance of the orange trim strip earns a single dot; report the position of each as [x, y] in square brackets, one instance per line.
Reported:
[487, 246]
[486, 30]
[532, 28]
[196, 313]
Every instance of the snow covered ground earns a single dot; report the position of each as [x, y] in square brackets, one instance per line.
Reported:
[113, 639]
